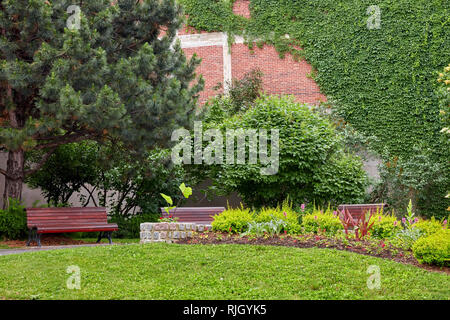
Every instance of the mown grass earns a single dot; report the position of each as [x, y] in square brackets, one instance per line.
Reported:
[118, 240]
[170, 271]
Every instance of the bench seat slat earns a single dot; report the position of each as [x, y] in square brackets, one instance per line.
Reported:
[73, 223]
[90, 228]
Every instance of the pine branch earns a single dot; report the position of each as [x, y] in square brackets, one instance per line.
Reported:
[40, 163]
[68, 138]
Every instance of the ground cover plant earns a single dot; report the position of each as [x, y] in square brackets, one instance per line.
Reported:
[171, 271]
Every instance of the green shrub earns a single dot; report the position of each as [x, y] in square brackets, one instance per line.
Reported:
[385, 226]
[284, 213]
[428, 227]
[434, 249]
[319, 221]
[13, 221]
[233, 220]
[129, 226]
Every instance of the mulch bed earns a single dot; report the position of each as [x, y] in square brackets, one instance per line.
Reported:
[370, 248]
[46, 240]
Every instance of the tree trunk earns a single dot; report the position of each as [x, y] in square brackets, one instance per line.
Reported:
[14, 176]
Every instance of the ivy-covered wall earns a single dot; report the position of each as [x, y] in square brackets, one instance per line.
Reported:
[381, 78]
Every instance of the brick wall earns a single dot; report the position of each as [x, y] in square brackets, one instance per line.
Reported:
[241, 8]
[211, 68]
[281, 76]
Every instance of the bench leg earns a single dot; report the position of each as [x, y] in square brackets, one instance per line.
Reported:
[108, 235]
[100, 236]
[30, 236]
[34, 236]
[38, 238]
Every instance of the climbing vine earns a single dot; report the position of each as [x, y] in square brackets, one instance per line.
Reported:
[380, 79]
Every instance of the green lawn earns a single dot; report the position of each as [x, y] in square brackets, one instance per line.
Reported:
[115, 240]
[170, 271]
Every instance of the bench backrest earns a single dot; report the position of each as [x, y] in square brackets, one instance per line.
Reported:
[194, 215]
[53, 217]
[357, 210]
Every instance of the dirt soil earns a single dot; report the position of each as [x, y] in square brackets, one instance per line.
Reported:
[46, 240]
[379, 249]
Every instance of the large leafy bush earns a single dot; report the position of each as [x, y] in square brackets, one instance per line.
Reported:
[312, 164]
[68, 170]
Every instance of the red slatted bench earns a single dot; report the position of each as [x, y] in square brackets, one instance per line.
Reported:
[357, 210]
[200, 215]
[62, 220]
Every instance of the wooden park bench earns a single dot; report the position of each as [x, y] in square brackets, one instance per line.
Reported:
[62, 220]
[357, 210]
[199, 215]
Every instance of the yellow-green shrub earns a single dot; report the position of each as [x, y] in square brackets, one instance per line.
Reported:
[429, 227]
[283, 212]
[322, 220]
[434, 249]
[233, 220]
[384, 226]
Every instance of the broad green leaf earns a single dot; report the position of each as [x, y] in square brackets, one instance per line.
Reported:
[187, 191]
[167, 198]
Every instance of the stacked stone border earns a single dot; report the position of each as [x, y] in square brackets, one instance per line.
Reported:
[169, 231]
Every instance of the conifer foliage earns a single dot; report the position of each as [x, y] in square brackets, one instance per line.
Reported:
[119, 76]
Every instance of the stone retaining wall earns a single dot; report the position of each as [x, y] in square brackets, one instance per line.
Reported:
[168, 232]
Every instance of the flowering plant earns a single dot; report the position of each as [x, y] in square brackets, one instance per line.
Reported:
[170, 218]
[410, 218]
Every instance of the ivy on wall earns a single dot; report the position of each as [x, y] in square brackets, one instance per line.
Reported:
[380, 79]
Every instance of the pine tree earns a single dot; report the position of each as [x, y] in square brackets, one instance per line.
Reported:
[118, 75]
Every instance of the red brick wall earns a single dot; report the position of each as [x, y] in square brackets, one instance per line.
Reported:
[240, 7]
[281, 76]
[211, 68]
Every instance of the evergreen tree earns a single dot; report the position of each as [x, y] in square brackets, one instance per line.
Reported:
[89, 70]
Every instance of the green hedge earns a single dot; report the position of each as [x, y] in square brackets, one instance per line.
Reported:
[434, 249]
[13, 221]
[322, 221]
